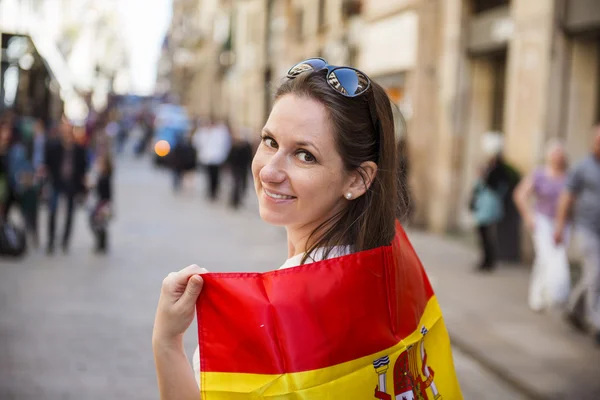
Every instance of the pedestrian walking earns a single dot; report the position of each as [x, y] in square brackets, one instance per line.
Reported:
[240, 160]
[102, 210]
[66, 165]
[326, 169]
[582, 198]
[550, 281]
[214, 144]
[487, 200]
[182, 160]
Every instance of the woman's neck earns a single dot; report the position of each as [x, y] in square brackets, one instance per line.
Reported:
[299, 236]
[296, 242]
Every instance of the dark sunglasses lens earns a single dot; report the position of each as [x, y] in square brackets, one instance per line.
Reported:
[312, 64]
[348, 82]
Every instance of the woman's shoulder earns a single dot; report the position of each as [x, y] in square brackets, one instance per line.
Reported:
[316, 255]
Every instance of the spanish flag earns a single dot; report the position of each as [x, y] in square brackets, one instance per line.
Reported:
[363, 326]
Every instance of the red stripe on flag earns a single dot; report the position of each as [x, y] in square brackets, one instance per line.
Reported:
[312, 316]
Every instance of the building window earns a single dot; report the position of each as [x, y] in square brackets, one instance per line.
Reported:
[480, 6]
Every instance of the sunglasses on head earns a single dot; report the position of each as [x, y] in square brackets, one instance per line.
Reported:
[347, 81]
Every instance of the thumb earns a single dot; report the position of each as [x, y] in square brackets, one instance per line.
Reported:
[192, 290]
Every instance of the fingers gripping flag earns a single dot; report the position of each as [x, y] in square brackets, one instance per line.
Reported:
[362, 326]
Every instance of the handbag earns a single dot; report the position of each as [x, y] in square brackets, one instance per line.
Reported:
[13, 241]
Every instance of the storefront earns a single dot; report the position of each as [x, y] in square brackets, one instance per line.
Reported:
[490, 32]
[26, 82]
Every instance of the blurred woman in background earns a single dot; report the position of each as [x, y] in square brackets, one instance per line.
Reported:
[550, 279]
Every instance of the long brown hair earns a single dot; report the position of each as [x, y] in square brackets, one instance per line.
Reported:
[368, 221]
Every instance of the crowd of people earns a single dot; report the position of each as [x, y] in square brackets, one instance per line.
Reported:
[44, 165]
[556, 202]
[212, 146]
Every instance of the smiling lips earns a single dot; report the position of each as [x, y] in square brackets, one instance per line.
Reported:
[277, 196]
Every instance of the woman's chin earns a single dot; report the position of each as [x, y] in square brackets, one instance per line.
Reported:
[273, 218]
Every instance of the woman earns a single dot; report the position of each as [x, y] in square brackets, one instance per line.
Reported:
[488, 209]
[550, 279]
[102, 209]
[326, 170]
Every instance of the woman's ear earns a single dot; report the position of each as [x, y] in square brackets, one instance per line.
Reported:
[361, 179]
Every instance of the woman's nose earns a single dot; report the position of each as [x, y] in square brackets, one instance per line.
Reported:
[274, 170]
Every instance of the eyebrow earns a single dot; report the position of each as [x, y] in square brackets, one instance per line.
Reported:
[302, 143]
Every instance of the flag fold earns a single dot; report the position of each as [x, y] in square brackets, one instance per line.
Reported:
[362, 326]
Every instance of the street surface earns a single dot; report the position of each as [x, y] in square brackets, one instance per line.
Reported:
[78, 326]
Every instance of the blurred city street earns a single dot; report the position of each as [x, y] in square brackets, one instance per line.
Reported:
[484, 115]
[79, 326]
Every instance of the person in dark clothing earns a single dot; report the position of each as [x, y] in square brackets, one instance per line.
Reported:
[5, 137]
[11, 154]
[240, 159]
[66, 166]
[489, 198]
[489, 209]
[183, 160]
[102, 211]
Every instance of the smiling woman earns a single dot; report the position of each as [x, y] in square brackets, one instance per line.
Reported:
[326, 170]
[315, 169]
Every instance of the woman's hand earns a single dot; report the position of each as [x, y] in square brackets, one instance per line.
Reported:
[177, 303]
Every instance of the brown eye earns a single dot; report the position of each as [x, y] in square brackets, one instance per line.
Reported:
[306, 157]
[269, 142]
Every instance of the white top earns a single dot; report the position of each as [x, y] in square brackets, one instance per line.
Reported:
[213, 144]
[317, 255]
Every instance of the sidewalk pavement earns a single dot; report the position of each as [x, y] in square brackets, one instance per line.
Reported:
[488, 319]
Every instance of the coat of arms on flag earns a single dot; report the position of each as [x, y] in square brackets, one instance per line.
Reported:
[362, 326]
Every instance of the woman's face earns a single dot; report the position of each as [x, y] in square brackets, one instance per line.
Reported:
[298, 174]
[557, 157]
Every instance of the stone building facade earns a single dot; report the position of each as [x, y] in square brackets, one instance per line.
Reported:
[455, 68]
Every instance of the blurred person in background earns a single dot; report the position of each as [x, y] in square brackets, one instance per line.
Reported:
[6, 147]
[550, 280]
[112, 127]
[39, 144]
[66, 165]
[102, 143]
[22, 180]
[240, 159]
[183, 160]
[5, 144]
[487, 199]
[214, 141]
[102, 210]
[146, 123]
[122, 132]
[581, 198]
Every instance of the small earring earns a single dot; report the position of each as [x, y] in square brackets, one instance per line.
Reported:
[348, 195]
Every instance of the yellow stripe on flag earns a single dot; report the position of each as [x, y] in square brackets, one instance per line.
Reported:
[356, 379]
